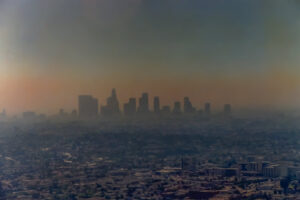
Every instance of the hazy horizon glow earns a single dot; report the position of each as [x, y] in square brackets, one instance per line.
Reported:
[239, 52]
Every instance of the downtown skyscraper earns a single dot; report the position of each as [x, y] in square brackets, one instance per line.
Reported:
[87, 106]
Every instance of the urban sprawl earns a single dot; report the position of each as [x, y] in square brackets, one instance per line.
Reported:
[165, 153]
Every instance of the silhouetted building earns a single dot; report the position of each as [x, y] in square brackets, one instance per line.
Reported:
[41, 116]
[166, 110]
[271, 171]
[112, 107]
[200, 112]
[177, 107]
[87, 106]
[188, 107]
[3, 113]
[207, 108]
[132, 103]
[74, 113]
[156, 105]
[143, 104]
[29, 115]
[130, 107]
[227, 109]
[62, 113]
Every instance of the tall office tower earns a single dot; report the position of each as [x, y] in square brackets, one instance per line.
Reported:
[112, 106]
[188, 107]
[87, 106]
[130, 107]
[156, 105]
[143, 104]
[113, 102]
[207, 108]
[227, 109]
[177, 108]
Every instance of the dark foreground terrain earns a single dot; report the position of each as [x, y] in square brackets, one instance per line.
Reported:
[161, 159]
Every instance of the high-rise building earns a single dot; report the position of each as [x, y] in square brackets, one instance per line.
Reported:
[156, 105]
[177, 108]
[113, 101]
[207, 108]
[188, 107]
[130, 107]
[143, 104]
[87, 106]
[227, 109]
[166, 110]
[112, 106]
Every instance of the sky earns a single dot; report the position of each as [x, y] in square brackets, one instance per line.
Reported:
[242, 52]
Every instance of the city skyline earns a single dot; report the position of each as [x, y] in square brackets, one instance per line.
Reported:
[243, 52]
[107, 103]
[149, 99]
[88, 106]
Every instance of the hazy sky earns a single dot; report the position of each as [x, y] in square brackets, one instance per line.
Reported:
[241, 52]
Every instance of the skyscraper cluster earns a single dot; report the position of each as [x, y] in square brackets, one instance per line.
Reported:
[88, 106]
[112, 106]
[187, 106]
[143, 104]
[130, 107]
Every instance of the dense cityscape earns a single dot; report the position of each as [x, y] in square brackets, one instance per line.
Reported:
[88, 108]
[143, 154]
[149, 100]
